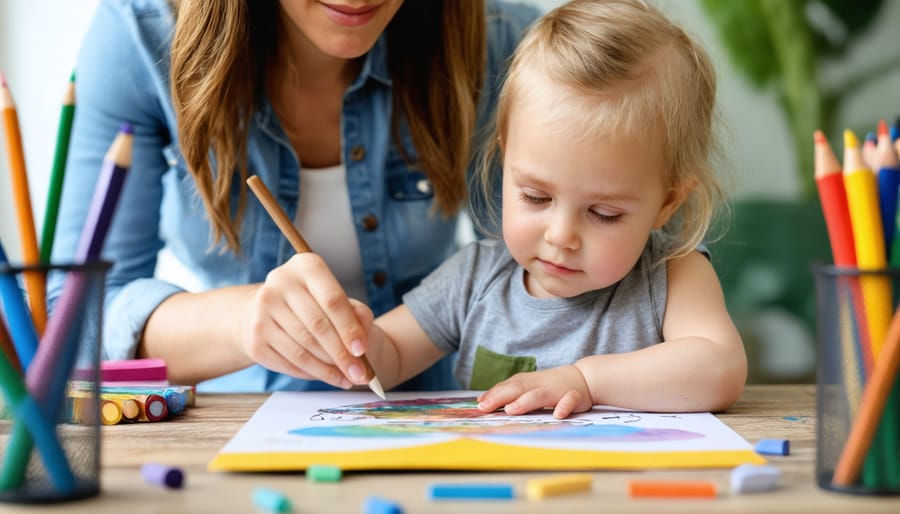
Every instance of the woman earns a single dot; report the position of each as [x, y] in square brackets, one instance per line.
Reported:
[360, 117]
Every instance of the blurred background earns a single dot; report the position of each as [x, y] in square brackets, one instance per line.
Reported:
[785, 68]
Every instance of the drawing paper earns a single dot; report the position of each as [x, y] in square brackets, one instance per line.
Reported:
[445, 431]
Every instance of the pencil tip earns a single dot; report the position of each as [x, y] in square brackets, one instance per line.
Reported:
[126, 128]
[819, 137]
[3, 79]
[375, 386]
[882, 128]
[72, 76]
[850, 140]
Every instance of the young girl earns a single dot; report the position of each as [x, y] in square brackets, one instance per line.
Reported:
[597, 293]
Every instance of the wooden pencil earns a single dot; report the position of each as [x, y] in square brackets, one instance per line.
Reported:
[57, 172]
[35, 281]
[871, 408]
[300, 246]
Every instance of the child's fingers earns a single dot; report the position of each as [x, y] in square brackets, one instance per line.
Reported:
[531, 400]
[498, 396]
[569, 403]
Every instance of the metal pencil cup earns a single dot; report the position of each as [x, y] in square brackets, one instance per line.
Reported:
[854, 309]
[50, 439]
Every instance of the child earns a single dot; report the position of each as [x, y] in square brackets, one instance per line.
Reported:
[596, 294]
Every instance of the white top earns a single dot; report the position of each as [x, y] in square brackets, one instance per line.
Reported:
[325, 220]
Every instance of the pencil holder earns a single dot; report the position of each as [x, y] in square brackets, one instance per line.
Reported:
[857, 398]
[50, 440]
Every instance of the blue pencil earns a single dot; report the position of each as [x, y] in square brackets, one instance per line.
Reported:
[888, 182]
[18, 318]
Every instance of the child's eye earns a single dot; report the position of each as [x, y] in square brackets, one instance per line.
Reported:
[527, 198]
[606, 218]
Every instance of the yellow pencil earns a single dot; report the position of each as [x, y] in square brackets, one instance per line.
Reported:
[299, 244]
[868, 236]
[35, 282]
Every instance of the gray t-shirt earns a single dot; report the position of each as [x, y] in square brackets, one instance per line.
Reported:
[476, 304]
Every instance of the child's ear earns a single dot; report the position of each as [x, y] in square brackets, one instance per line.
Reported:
[674, 199]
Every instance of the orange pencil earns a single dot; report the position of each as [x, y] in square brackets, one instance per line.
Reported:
[871, 408]
[35, 282]
[671, 489]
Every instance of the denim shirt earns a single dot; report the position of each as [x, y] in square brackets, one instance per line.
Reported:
[123, 76]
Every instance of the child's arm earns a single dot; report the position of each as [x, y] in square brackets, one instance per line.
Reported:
[700, 365]
[399, 348]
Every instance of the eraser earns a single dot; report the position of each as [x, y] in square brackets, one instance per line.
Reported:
[539, 488]
[469, 491]
[163, 475]
[773, 447]
[378, 505]
[323, 473]
[753, 478]
[271, 500]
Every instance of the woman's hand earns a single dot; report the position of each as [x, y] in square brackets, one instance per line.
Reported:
[563, 388]
[301, 323]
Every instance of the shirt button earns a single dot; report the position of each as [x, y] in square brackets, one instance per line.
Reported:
[379, 278]
[370, 222]
[358, 153]
[424, 186]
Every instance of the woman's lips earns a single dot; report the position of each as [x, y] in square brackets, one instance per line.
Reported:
[347, 16]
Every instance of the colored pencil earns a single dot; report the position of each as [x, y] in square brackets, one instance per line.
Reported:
[868, 150]
[865, 216]
[60, 156]
[6, 346]
[299, 244]
[871, 409]
[35, 281]
[47, 377]
[21, 328]
[833, 199]
[885, 161]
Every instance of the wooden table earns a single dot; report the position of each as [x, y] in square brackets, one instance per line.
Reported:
[191, 441]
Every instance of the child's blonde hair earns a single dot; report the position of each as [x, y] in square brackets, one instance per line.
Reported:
[627, 69]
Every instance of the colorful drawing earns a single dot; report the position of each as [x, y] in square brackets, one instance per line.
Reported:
[459, 416]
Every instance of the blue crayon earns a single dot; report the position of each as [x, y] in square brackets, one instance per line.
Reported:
[464, 491]
[773, 447]
[378, 505]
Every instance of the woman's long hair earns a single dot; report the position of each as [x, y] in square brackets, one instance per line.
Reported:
[221, 52]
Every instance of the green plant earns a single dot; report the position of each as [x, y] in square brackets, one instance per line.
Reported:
[782, 45]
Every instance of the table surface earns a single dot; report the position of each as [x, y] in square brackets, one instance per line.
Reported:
[193, 439]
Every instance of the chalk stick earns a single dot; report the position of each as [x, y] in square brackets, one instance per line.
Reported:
[671, 489]
[753, 478]
[773, 447]
[160, 474]
[539, 488]
[378, 505]
[323, 473]
[271, 500]
[469, 491]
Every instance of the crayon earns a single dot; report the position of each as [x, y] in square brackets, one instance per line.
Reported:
[539, 488]
[153, 407]
[379, 505]
[773, 447]
[671, 489]
[753, 478]
[323, 473]
[271, 500]
[470, 491]
[171, 477]
[35, 281]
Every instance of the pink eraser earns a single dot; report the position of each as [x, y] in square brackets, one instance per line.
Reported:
[133, 370]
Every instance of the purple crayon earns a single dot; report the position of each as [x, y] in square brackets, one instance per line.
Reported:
[162, 475]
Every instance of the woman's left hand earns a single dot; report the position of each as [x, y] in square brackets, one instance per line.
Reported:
[563, 388]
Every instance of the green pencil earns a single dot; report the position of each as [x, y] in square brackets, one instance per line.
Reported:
[59, 169]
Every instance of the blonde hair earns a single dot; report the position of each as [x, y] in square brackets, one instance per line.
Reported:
[627, 69]
[220, 57]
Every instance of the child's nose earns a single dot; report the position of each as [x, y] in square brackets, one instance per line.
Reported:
[562, 232]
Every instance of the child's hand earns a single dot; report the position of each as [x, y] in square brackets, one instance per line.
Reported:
[300, 322]
[562, 388]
